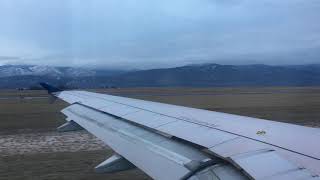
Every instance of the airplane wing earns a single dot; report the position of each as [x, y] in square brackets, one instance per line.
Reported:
[174, 142]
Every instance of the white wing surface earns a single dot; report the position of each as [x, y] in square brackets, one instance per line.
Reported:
[175, 142]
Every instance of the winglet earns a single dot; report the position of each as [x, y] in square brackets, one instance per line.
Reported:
[49, 88]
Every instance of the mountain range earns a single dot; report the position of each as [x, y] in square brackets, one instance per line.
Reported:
[202, 75]
[33, 70]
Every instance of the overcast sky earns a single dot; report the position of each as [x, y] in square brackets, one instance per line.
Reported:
[159, 33]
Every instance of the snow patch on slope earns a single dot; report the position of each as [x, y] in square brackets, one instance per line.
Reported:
[23, 70]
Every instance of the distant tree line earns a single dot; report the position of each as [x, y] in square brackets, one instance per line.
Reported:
[38, 87]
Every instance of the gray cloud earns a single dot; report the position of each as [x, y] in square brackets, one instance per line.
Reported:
[8, 58]
[144, 34]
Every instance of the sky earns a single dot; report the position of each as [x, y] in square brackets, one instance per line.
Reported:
[142, 34]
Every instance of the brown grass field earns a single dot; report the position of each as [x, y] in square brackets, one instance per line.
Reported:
[21, 115]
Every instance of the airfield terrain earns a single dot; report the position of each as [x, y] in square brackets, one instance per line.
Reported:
[30, 148]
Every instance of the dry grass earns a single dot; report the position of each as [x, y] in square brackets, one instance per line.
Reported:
[29, 115]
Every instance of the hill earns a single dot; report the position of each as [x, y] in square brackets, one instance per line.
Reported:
[223, 75]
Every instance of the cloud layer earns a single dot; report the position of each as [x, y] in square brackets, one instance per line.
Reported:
[144, 34]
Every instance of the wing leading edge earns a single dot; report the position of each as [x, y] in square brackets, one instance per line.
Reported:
[182, 140]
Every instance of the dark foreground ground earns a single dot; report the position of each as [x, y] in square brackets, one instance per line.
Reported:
[25, 114]
[60, 165]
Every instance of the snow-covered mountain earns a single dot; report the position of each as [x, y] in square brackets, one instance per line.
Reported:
[203, 75]
[33, 70]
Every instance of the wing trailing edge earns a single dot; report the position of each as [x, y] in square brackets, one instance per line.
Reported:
[158, 156]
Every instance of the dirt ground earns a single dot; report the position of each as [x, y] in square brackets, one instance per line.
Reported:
[30, 148]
